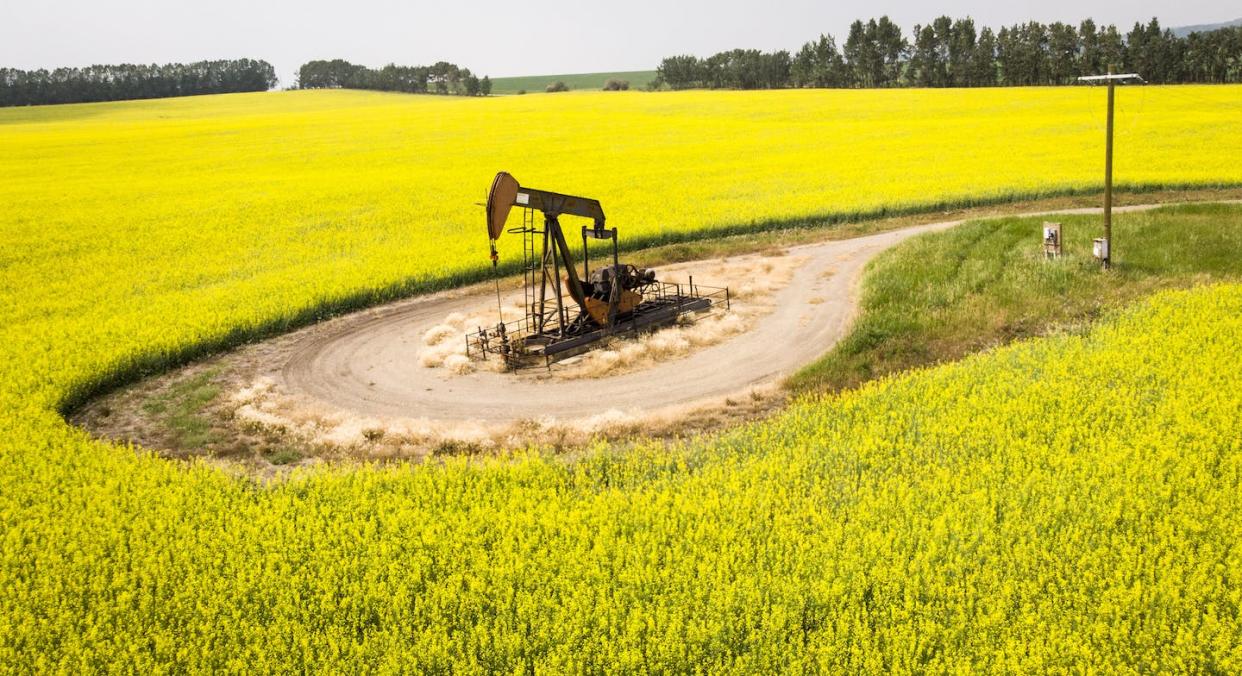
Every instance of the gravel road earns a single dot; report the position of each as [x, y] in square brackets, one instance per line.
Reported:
[369, 363]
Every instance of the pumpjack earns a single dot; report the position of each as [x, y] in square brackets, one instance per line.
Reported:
[606, 301]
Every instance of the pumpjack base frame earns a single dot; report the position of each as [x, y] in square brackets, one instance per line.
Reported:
[522, 347]
[650, 315]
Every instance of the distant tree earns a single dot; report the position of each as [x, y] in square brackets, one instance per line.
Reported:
[961, 48]
[1214, 56]
[1063, 53]
[133, 81]
[681, 72]
[714, 71]
[1008, 62]
[485, 86]
[819, 64]
[943, 28]
[391, 78]
[983, 60]
[875, 52]
[440, 78]
[951, 53]
[774, 69]
[1153, 53]
[334, 74]
[615, 85]
[1088, 49]
[464, 82]
[927, 66]
[1022, 54]
[860, 54]
[734, 69]
[557, 86]
[1033, 36]
[892, 49]
[1229, 43]
[1112, 49]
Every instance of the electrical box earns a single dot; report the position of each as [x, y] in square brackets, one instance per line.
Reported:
[1052, 240]
[1099, 249]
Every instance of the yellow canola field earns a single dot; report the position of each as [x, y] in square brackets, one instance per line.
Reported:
[224, 213]
[1063, 503]
[1068, 504]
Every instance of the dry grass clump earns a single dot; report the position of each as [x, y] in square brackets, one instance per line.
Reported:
[632, 353]
[444, 345]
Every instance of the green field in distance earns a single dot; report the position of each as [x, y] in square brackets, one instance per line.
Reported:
[538, 83]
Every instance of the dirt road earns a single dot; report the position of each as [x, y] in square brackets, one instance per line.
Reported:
[369, 364]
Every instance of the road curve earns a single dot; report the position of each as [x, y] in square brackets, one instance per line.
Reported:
[368, 363]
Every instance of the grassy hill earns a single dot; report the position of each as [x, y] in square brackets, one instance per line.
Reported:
[537, 83]
[1183, 31]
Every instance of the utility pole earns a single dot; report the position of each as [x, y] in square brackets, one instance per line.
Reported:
[1111, 80]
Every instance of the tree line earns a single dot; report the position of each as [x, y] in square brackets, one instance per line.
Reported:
[440, 78]
[133, 81]
[953, 53]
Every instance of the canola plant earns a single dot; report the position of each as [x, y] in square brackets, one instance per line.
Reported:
[1065, 503]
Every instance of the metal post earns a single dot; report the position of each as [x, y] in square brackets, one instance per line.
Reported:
[586, 257]
[556, 282]
[543, 280]
[1108, 180]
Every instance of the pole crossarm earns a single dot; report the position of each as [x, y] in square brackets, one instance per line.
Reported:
[1120, 78]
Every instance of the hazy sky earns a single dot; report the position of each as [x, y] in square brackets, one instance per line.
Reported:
[492, 37]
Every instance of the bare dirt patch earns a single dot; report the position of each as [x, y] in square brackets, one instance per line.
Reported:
[751, 278]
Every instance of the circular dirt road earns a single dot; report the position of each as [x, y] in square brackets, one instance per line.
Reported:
[369, 363]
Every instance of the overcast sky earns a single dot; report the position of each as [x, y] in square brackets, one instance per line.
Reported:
[493, 37]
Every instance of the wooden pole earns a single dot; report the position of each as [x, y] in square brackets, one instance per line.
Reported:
[1108, 180]
[1111, 80]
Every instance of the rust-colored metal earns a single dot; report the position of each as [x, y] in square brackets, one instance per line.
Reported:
[499, 201]
[611, 299]
[603, 313]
